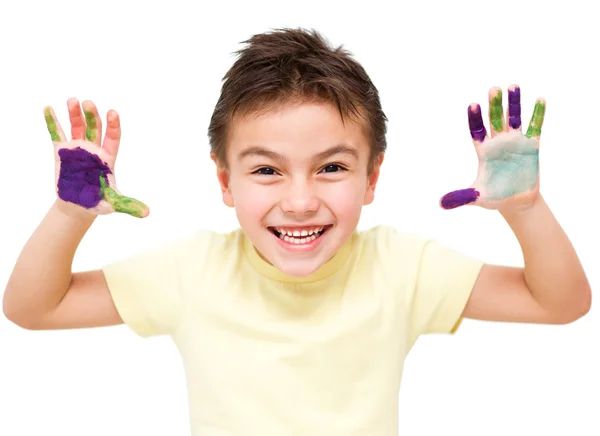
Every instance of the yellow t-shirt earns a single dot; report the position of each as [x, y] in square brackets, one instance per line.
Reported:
[270, 355]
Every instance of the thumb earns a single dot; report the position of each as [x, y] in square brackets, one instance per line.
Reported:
[459, 198]
[121, 203]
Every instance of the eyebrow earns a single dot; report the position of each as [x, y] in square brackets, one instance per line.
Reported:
[257, 150]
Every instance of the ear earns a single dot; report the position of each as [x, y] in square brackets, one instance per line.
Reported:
[372, 180]
[223, 177]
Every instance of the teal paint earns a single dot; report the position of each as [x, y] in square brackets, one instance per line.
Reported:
[511, 166]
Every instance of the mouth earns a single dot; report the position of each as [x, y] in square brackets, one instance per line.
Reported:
[299, 235]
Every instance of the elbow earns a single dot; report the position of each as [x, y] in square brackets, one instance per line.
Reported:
[16, 319]
[16, 316]
[577, 307]
[586, 301]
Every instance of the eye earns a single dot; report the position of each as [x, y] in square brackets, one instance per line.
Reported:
[333, 168]
[265, 171]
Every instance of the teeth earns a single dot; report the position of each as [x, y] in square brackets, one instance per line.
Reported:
[299, 233]
[299, 236]
[298, 241]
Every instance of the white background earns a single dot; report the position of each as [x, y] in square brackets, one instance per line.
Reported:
[160, 65]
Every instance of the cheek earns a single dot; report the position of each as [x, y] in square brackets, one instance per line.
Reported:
[344, 198]
[252, 201]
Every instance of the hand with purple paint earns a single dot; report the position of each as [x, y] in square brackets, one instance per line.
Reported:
[508, 174]
[85, 165]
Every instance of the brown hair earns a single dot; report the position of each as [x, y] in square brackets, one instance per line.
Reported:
[296, 65]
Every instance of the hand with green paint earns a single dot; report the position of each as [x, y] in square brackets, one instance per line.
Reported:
[508, 174]
[85, 165]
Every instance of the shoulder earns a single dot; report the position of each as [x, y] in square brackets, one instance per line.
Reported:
[386, 240]
[206, 246]
[192, 250]
[387, 247]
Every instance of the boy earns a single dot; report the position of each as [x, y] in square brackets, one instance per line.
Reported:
[297, 324]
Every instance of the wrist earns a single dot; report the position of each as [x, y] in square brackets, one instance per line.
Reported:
[73, 212]
[524, 212]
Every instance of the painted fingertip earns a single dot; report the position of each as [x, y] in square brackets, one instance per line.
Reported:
[462, 197]
[537, 119]
[478, 132]
[89, 111]
[51, 124]
[48, 114]
[514, 107]
[495, 92]
[496, 111]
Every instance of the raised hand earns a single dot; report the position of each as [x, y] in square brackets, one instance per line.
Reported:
[84, 166]
[508, 174]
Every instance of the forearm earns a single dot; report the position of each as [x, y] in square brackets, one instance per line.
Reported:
[553, 272]
[42, 273]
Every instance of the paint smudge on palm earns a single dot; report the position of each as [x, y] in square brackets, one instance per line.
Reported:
[511, 166]
[79, 177]
[83, 180]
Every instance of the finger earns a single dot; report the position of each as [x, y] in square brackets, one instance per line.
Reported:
[496, 112]
[514, 108]
[76, 118]
[56, 132]
[478, 132]
[93, 131]
[459, 198]
[112, 136]
[537, 119]
[122, 204]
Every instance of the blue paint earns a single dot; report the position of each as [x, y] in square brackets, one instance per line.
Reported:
[511, 166]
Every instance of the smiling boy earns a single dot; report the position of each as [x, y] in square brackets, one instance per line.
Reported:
[296, 323]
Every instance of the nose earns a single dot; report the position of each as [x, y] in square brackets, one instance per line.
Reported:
[300, 198]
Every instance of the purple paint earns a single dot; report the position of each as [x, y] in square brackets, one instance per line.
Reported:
[514, 107]
[478, 132]
[458, 198]
[79, 177]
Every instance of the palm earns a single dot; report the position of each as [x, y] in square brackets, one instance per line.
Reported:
[508, 173]
[84, 170]
[79, 166]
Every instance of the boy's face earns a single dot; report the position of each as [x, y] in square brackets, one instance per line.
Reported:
[298, 179]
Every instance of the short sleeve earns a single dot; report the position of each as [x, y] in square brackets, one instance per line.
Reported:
[146, 289]
[443, 286]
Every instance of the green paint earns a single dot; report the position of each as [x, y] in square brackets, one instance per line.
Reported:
[537, 120]
[90, 131]
[120, 203]
[511, 167]
[52, 127]
[496, 112]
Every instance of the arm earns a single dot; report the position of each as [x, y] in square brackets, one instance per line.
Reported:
[551, 289]
[42, 293]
